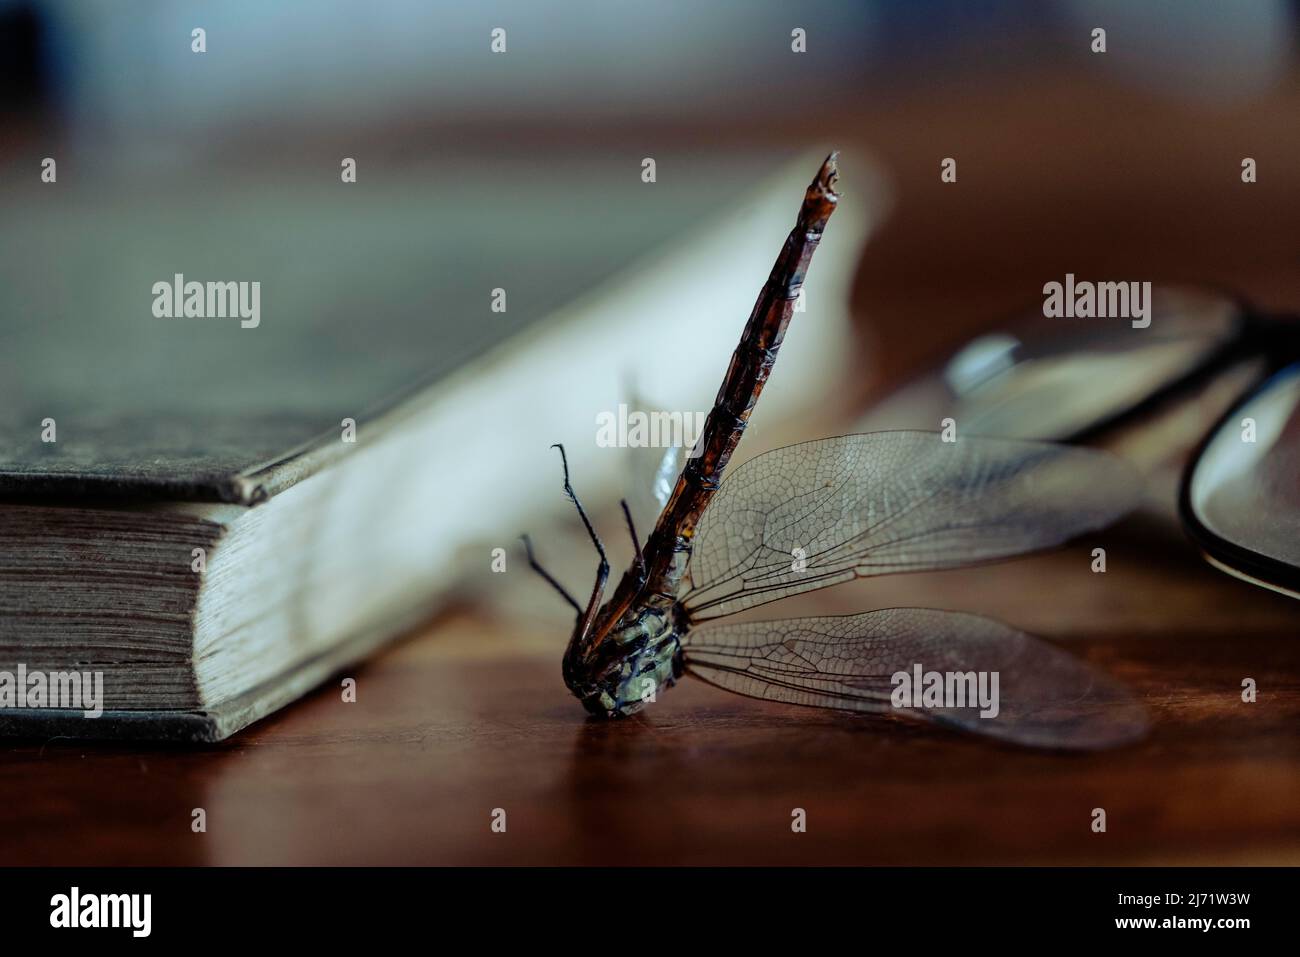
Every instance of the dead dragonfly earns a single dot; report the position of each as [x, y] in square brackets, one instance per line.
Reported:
[815, 514]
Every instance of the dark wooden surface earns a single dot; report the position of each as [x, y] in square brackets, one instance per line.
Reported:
[471, 715]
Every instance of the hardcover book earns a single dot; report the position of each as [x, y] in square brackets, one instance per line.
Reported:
[243, 437]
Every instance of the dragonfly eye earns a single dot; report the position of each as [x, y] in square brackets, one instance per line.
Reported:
[629, 668]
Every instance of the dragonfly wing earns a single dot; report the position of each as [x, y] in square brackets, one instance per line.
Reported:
[651, 472]
[1045, 697]
[815, 514]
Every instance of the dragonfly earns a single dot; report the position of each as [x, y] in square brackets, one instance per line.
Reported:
[823, 512]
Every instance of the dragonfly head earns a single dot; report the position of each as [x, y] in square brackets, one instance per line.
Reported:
[638, 656]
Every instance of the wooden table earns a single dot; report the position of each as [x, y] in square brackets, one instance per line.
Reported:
[470, 715]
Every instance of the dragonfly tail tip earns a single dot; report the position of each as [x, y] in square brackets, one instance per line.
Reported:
[829, 174]
[822, 196]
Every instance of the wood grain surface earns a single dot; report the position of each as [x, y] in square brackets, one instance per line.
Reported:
[471, 715]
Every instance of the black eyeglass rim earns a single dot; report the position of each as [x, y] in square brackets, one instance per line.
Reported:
[1262, 568]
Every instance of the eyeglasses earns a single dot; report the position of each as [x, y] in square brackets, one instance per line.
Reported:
[1204, 355]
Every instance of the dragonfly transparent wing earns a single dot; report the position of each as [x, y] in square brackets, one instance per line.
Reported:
[815, 514]
[1044, 698]
[650, 472]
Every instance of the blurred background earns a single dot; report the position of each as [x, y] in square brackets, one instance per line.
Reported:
[1069, 160]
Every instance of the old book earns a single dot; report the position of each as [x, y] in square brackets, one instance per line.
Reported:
[211, 514]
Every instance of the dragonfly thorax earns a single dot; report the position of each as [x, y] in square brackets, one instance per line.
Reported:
[639, 656]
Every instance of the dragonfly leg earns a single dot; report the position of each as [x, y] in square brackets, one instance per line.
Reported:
[636, 542]
[582, 512]
[536, 566]
[602, 572]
